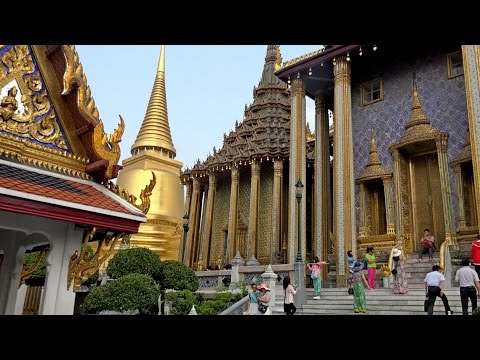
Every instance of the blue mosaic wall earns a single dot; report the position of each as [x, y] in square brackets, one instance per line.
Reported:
[442, 99]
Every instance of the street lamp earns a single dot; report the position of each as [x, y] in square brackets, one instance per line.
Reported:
[299, 187]
[185, 231]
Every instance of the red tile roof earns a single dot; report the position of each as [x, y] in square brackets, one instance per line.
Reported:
[76, 192]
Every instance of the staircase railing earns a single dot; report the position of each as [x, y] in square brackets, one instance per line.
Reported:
[236, 309]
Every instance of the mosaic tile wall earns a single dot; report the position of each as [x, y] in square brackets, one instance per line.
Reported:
[442, 99]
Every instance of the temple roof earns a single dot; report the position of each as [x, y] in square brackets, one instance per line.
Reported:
[264, 133]
[69, 193]
[155, 129]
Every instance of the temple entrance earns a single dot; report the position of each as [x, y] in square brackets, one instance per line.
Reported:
[426, 199]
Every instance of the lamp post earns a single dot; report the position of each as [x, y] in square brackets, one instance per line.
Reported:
[185, 231]
[298, 195]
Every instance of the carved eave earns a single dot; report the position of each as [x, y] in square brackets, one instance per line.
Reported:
[30, 153]
[102, 149]
[465, 154]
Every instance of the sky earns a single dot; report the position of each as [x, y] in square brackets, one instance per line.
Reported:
[207, 89]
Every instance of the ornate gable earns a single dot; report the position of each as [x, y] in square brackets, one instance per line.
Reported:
[48, 116]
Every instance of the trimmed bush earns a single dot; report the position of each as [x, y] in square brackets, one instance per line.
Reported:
[134, 261]
[37, 278]
[176, 275]
[221, 302]
[130, 292]
[181, 301]
[476, 311]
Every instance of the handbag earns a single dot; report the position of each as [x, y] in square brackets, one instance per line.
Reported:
[426, 304]
[350, 291]
[262, 308]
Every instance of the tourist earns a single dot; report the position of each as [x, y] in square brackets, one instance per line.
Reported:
[289, 293]
[252, 300]
[316, 275]
[476, 255]
[371, 267]
[399, 275]
[468, 279]
[427, 245]
[351, 259]
[359, 301]
[434, 286]
[264, 298]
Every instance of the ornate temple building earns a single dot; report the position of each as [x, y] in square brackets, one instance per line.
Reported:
[56, 163]
[153, 158]
[402, 155]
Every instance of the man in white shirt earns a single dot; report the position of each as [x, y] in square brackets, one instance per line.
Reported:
[468, 279]
[434, 286]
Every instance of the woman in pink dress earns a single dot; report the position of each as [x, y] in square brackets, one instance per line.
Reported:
[316, 275]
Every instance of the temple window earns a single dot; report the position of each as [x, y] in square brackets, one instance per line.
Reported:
[372, 91]
[455, 64]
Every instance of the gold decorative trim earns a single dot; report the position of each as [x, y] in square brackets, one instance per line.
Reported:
[132, 199]
[38, 121]
[104, 146]
[27, 272]
[298, 59]
[81, 266]
[41, 156]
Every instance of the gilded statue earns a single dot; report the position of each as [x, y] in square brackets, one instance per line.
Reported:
[9, 104]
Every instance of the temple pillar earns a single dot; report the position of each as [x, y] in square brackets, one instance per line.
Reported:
[471, 66]
[277, 207]
[193, 209]
[232, 242]
[362, 215]
[207, 229]
[459, 193]
[343, 192]
[253, 219]
[387, 189]
[442, 146]
[398, 192]
[188, 200]
[297, 169]
[201, 245]
[322, 174]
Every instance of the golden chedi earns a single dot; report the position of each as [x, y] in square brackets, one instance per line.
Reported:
[153, 151]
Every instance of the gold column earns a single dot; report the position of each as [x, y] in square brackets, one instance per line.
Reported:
[344, 194]
[188, 200]
[442, 146]
[192, 222]
[197, 228]
[277, 207]
[363, 225]
[322, 174]
[459, 188]
[471, 66]
[232, 242]
[207, 229]
[297, 168]
[398, 192]
[387, 189]
[201, 238]
[253, 219]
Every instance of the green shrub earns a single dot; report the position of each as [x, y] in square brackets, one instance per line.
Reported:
[221, 302]
[181, 301]
[134, 261]
[476, 311]
[176, 275]
[130, 292]
[37, 278]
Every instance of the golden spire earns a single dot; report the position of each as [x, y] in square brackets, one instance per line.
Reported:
[373, 158]
[155, 130]
[417, 116]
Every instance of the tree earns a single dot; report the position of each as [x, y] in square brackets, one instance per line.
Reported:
[130, 292]
[176, 275]
[134, 261]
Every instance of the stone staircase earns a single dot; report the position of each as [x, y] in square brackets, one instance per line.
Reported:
[381, 301]
[336, 301]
